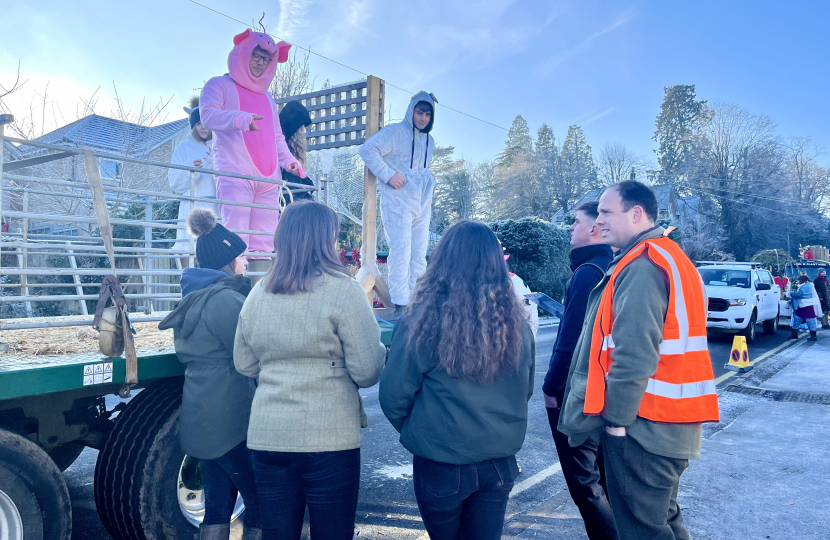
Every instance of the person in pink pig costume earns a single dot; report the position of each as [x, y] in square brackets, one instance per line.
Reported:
[247, 135]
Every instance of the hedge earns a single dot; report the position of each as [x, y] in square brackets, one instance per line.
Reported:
[539, 253]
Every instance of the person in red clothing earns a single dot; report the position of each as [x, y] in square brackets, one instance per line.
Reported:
[808, 255]
[782, 281]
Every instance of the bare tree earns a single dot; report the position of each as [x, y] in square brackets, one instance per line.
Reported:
[293, 77]
[808, 181]
[617, 163]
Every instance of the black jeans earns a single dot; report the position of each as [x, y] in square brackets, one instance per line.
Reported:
[642, 488]
[464, 502]
[327, 482]
[582, 467]
[223, 478]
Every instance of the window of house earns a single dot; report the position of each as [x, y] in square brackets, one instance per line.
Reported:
[354, 107]
[331, 138]
[343, 95]
[333, 111]
[363, 106]
[333, 97]
[363, 120]
[314, 101]
[354, 94]
[110, 169]
[313, 127]
[363, 92]
[343, 123]
[353, 135]
[312, 113]
[362, 133]
[312, 141]
[322, 113]
[353, 121]
[342, 109]
[303, 102]
[322, 99]
[341, 137]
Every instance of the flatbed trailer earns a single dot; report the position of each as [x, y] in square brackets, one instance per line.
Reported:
[53, 407]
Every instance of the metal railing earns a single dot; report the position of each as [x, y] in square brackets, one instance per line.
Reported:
[157, 266]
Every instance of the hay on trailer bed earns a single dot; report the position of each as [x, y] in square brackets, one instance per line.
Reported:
[68, 340]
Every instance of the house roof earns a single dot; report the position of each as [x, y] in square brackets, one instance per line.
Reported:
[592, 195]
[115, 136]
[10, 152]
[689, 207]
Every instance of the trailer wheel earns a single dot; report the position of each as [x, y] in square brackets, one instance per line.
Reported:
[34, 500]
[137, 473]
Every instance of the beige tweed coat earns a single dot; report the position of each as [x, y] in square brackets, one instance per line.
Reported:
[311, 352]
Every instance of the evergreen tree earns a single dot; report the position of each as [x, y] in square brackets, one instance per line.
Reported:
[578, 168]
[679, 115]
[518, 141]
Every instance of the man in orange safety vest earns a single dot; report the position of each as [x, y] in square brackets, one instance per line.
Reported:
[641, 377]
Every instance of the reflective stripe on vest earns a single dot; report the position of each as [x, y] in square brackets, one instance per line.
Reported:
[683, 387]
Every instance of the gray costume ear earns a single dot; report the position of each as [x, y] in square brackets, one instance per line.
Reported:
[187, 110]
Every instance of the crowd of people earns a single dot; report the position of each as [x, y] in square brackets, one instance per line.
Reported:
[271, 404]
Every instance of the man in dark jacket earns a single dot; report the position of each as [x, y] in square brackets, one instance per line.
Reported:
[820, 283]
[581, 465]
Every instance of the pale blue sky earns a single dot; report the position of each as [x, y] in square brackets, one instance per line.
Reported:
[602, 65]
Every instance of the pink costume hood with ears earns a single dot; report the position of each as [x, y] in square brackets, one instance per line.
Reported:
[239, 60]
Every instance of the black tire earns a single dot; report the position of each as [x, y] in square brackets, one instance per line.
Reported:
[33, 486]
[136, 476]
[66, 454]
[749, 331]
[771, 326]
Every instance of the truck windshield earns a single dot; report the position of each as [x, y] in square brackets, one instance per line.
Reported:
[725, 278]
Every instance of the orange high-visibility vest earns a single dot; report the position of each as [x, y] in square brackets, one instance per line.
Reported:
[683, 388]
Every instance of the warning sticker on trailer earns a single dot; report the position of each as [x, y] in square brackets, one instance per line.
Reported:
[97, 373]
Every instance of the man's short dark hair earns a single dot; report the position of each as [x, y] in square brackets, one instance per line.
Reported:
[423, 106]
[589, 208]
[634, 193]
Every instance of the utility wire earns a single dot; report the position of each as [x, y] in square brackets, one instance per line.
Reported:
[711, 194]
[410, 92]
[764, 197]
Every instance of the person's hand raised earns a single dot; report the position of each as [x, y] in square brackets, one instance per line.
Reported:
[397, 181]
[254, 118]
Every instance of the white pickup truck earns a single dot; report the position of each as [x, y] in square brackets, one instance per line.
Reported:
[741, 295]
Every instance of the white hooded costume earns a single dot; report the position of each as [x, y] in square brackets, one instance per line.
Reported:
[531, 313]
[403, 148]
[203, 184]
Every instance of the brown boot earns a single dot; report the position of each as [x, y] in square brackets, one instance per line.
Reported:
[793, 333]
[215, 532]
[812, 336]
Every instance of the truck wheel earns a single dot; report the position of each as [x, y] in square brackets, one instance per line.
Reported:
[34, 500]
[749, 331]
[771, 326]
[137, 473]
[66, 454]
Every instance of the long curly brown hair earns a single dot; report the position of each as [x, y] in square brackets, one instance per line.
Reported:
[464, 306]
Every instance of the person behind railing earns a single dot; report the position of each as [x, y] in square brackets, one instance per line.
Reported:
[294, 118]
[195, 151]
[245, 122]
[457, 382]
[308, 333]
[216, 399]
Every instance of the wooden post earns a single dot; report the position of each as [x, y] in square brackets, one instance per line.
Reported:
[375, 102]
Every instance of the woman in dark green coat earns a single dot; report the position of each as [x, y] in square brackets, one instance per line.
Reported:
[216, 400]
[457, 382]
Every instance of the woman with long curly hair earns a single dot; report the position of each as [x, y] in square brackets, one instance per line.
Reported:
[456, 385]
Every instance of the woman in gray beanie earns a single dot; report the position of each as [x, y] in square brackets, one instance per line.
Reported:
[216, 400]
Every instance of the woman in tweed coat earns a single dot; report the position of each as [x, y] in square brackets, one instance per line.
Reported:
[308, 333]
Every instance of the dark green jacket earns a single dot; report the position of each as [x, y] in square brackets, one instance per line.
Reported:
[641, 299]
[454, 420]
[216, 401]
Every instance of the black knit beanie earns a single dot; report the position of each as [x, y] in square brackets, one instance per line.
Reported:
[292, 117]
[195, 118]
[216, 246]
